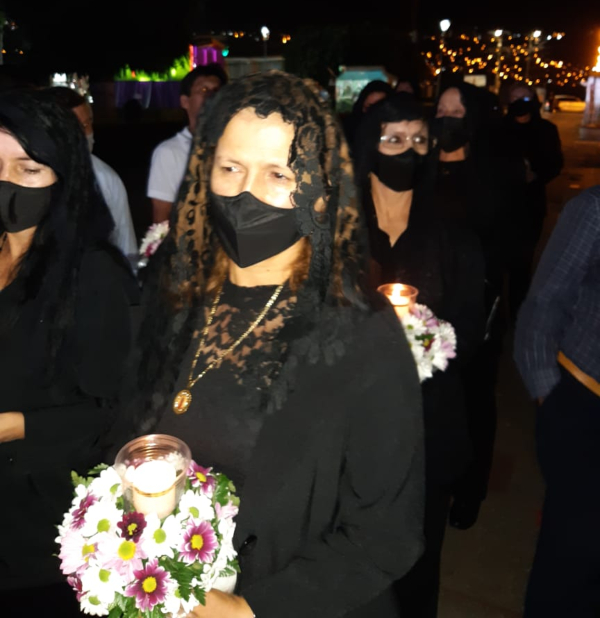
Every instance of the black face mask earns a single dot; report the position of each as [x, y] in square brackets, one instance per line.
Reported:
[23, 207]
[398, 171]
[250, 230]
[520, 107]
[451, 133]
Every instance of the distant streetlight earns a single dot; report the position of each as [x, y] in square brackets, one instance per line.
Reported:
[444, 27]
[533, 38]
[265, 33]
[498, 35]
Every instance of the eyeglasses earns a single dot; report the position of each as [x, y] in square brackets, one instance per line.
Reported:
[399, 142]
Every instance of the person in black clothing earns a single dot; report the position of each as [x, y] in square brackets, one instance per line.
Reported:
[374, 91]
[536, 142]
[476, 180]
[410, 244]
[65, 334]
[262, 350]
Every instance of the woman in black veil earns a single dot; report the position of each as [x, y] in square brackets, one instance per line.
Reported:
[261, 348]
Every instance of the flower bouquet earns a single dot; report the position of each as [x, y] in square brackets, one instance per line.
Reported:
[432, 341]
[154, 236]
[125, 563]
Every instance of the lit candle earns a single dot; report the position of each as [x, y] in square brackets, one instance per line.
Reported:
[401, 296]
[153, 487]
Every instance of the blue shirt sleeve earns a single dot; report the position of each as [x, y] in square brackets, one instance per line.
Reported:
[548, 309]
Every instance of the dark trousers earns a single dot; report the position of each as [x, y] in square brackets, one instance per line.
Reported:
[565, 577]
[479, 378]
[417, 593]
[519, 268]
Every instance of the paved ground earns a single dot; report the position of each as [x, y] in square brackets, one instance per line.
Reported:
[485, 569]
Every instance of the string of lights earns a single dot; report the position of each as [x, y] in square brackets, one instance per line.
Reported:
[503, 55]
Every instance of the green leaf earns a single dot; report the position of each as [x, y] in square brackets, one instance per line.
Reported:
[121, 601]
[156, 613]
[79, 480]
[95, 471]
[182, 574]
[227, 571]
[200, 595]
[115, 612]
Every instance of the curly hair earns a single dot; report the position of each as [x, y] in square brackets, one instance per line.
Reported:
[77, 218]
[179, 274]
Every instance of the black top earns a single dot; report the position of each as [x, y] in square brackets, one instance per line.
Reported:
[331, 507]
[226, 441]
[66, 413]
[538, 143]
[445, 263]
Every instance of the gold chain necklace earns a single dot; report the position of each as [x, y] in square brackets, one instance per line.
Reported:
[183, 399]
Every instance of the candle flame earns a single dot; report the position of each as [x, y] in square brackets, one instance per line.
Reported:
[396, 297]
[596, 69]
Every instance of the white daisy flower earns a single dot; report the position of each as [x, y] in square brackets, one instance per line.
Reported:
[107, 485]
[175, 605]
[93, 606]
[102, 583]
[161, 539]
[197, 506]
[102, 516]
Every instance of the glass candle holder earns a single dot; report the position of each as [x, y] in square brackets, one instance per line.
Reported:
[402, 296]
[153, 472]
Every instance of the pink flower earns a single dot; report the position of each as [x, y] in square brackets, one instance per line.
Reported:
[75, 552]
[226, 512]
[123, 555]
[75, 583]
[150, 586]
[199, 543]
[201, 477]
[80, 511]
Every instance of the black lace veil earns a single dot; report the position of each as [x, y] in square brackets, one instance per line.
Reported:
[327, 214]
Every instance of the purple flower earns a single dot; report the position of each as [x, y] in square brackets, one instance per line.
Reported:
[131, 526]
[199, 543]
[81, 511]
[201, 477]
[75, 583]
[150, 586]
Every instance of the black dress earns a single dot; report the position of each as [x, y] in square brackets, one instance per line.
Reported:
[445, 263]
[66, 415]
[226, 441]
[326, 451]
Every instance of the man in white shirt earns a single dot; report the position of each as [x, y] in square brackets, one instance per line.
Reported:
[111, 186]
[170, 157]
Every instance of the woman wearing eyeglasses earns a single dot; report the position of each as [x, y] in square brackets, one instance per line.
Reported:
[409, 245]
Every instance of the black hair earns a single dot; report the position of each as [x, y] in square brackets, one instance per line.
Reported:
[480, 116]
[67, 97]
[356, 115]
[395, 107]
[77, 219]
[213, 69]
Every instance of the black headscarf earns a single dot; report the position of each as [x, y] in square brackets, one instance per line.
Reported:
[353, 121]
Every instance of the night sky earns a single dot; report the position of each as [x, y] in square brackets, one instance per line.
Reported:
[104, 35]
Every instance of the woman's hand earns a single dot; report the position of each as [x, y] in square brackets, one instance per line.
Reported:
[222, 605]
[12, 426]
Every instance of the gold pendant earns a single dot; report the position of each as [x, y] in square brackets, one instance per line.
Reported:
[182, 401]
